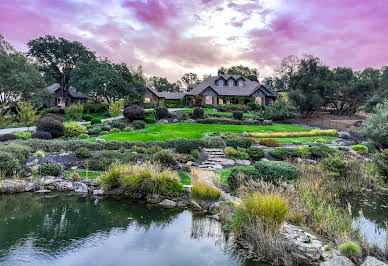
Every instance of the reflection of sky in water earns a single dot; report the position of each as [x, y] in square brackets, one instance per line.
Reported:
[373, 233]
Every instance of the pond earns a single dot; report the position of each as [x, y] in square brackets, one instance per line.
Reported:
[73, 230]
[370, 214]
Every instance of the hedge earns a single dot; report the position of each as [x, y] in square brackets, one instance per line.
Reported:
[312, 133]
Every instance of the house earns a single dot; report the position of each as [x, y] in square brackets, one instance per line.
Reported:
[220, 89]
[60, 100]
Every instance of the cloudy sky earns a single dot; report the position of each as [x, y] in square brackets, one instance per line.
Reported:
[172, 37]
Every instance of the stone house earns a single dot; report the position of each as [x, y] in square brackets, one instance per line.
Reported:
[59, 100]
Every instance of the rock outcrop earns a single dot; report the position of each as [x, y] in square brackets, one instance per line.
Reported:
[338, 261]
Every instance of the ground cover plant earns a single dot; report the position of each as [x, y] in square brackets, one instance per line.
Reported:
[160, 132]
[208, 111]
[84, 174]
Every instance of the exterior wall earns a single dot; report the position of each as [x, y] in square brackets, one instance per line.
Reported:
[153, 98]
[259, 94]
[210, 97]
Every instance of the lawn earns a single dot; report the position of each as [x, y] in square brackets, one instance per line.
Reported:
[210, 111]
[83, 175]
[185, 178]
[303, 139]
[162, 132]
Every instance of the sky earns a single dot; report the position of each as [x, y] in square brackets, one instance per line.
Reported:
[172, 37]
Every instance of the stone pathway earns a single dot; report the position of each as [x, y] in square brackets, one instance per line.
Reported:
[216, 157]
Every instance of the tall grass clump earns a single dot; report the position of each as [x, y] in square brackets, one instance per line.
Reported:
[203, 191]
[350, 250]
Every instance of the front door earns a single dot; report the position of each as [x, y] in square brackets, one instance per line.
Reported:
[209, 100]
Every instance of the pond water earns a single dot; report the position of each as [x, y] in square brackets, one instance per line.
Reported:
[73, 230]
[370, 214]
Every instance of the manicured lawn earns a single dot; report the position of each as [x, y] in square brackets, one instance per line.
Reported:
[83, 175]
[162, 132]
[210, 111]
[185, 178]
[303, 139]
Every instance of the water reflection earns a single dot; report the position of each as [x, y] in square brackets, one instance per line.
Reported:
[71, 230]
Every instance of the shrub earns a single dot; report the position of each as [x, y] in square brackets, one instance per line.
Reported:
[128, 129]
[213, 142]
[239, 142]
[360, 148]
[372, 148]
[74, 129]
[195, 154]
[165, 159]
[350, 249]
[114, 130]
[319, 150]
[150, 117]
[184, 116]
[239, 175]
[336, 165]
[39, 154]
[381, 161]
[134, 113]
[27, 113]
[269, 142]
[102, 133]
[8, 164]
[281, 110]
[50, 169]
[225, 121]
[87, 117]
[230, 152]
[83, 153]
[231, 107]
[95, 108]
[20, 152]
[255, 153]
[74, 111]
[83, 136]
[275, 171]
[9, 136]
[41, 135]
[72, 145]
[284, 153]
[304, 151]
[51, 125]
[41, 144]
[55, 117]
[118, 125]
[311, 133]
[375, 127]
[101, 161]
[238, 115]
[139, 124]
[115, 108]
[270, 208]
[95, 121]
[23, 134]
[161, 113]
[203, 191]
[184, 145]
[198, 113]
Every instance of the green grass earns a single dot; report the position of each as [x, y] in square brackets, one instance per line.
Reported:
[82, 174]
[224, 174]
[209, 111]
[303, 139]
[162, 132]
[185, 178]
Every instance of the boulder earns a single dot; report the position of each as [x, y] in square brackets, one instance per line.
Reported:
[168, 204]
[98, 192]
[215, 207]
[371, 261]
[267, 122]
[154, 198]
[215, 217]
[12, 186]
[195, 206]
[80, 187]
[264, 159]
[162, 121]
[228, 162]
[243, 162]
[338, 261]
[43, 191]
[311, 161]
[175, 121]
[343, 135]
[217, 166]
[48, 180]
[33, 185]
[65, 186]
[101, 141]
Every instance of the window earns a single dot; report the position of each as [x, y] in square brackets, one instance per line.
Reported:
[231, 83]
[258, 100]
[59, 101]
[240, 83]
[147, 100]
[220, 101]
[220, 82]
[209, 100]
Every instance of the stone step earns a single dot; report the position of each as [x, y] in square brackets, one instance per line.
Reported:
[213, 150]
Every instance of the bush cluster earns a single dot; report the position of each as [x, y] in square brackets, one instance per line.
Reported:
[161, 113]
[23, 134]
[9, 136]
[165, 159]
[20, 152]
[275, 171]
[311, 133]
[203, 191]
[114, 131]
[381, 161]
[117, 124]
[284, 153]
[87, 117]
[226, 121]
[83, 153]
[55, 127]
[74, 111]
[96, 129]
[139, 124]
[128, 129]
[213, 142]
[255, 153]
[8, 164]
[360, 148]
[41, 135]
[185, 145]
[133, 113]
[198, 113]
[232, 107]
[95, 108]
[238, 115]
[102, 161]
[318, 150]
[50, 169]
[95, 121]
[281, 110]
[239, 142]
[269, 142]
[150, 117]
[74, 129]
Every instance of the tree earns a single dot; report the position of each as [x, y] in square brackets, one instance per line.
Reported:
[162, 84]
[249, 73]
[57, 58]
[110, 81]
[27, 113]
[285, 72]
[20, 80]
[375, 127]
[189, 79]
[115, 108]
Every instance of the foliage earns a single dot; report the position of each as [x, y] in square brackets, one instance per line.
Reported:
[381, 161]
[195, 154]
[184, 145]
[189, 79]
[51, 125]
[74, 129]
[231, 107]
[165, 159]
[162, 84]
[114, 130]
[204, 191]
[115, 108]
[50, 169]
[255, 153]
[149, 116]
[249, 73]
[128, 129]
[96, 108]
[161, 113]
[184, 116]
[83, 174]
[9, 136]
[5, 119]
[230, 153]
[239, 142]
[336, 165]
[284, 153]
[198, 113]
[314, 132]
[350, 249]
[8, 164]
[104, 132]
[213, 142]
[133, 113]
[139, 124]
[95, 121]
[269, 142]
[375, 127]
[74, 111]
[360, 148]
[276, 171]
[237, 115]
[87, 117]
[226, 121]
[27, 113]
[280, 110]
[23, 134]
[83, 136]
[83, 153]
[185, 178]
[39, 154]
[239, 175]
[102, 161]
[20, 152]
[318, 150]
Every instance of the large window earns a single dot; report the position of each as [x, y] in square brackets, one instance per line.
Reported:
[258, 100]
[209, 100]
[220, 101]
[147, 100]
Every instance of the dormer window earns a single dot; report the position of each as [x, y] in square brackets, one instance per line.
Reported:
[240, 83]
[220, 82]
[231, 83]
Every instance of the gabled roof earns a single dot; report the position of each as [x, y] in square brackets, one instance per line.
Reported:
[72, 91]
[167, 95]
